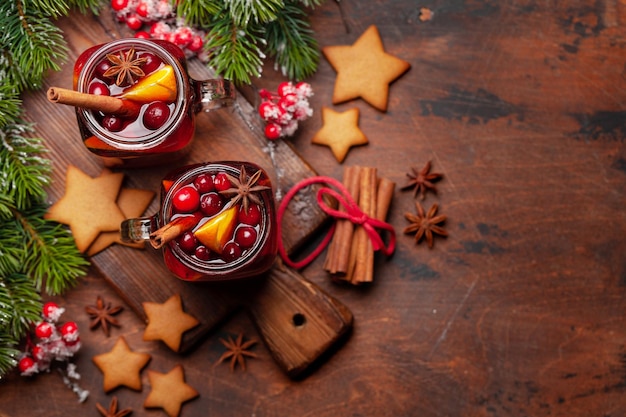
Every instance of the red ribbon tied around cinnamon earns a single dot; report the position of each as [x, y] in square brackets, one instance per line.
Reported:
[352, 213]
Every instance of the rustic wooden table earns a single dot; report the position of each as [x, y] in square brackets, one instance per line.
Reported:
[519, 312]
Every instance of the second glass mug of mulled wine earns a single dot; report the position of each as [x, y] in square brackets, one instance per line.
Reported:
[154, 119]
[216, 222]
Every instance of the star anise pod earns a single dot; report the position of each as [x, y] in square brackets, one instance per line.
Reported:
[125, 67]
[243, 190]
[422, 181]
[425, 224]
[101, 314]
[112, 411]
[237, 351]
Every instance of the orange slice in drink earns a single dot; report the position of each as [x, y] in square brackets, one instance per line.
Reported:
[158, 86]
[218, 230]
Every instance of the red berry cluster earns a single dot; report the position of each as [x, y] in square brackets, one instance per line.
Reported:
[284, 109]
[157, 19]
[53, 342]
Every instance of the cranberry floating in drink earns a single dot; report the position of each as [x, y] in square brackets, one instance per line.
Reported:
[216, 222]
[135, 102]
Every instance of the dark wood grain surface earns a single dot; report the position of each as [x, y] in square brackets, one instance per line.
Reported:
[519, 312]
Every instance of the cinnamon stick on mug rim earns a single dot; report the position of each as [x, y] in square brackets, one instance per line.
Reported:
[105, 104]
[172, 230]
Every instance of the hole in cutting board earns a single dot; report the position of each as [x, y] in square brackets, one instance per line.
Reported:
[298, 319]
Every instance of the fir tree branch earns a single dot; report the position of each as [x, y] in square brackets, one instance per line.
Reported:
[290, 40]
[199, 12]
[19, 298]
[52, 8]
[9, 100]
[26, 171]
[51, 259]
[32, 42]
[234, 52]
[8, 352]
[246, 12]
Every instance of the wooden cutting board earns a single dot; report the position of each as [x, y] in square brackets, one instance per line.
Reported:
[296, 319]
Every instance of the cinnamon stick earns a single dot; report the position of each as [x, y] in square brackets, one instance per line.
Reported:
[384, 196]
[105, 104]
[338, 256]
[172, 230]
[363, 270]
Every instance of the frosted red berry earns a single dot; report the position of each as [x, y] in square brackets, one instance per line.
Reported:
[44, 330]
[118, 5]
[272, 131]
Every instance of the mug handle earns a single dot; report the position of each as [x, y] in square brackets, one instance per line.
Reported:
[214, 94]
[138, 229]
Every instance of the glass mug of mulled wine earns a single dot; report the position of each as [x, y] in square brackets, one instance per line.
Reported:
[154, 118]
[216, 222]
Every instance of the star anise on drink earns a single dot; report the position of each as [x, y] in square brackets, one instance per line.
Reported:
[422, 180]
[101, 314]
[243, 190]
[425, 224]
[125, 67]
[237, 351]
[112, 411]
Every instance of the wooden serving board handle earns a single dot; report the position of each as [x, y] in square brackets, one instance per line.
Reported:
[297, 320]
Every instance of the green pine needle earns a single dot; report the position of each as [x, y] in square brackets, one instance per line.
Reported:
[8, 352]
[234, 53]
[247, 12]
[290, 39]
[20, 304]
[26, 171]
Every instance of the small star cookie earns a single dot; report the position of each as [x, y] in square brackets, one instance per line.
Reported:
[167, 322]
[88, 206]
[340, 131]
[133, 202]
[364, 70]
[169, 391]
[121, 366]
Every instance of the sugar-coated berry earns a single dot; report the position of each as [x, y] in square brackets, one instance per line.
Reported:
[196, 43]
[99, 89]
[203, 253]
[38, 352]
[44, 330]
[186, 200]
[272, 131]
[285, 88]
[252, 216]
[288, 101]
[112, 123]
[211, 203]
[187, 242]
[221, 182]
[118, 5]
[142, 9]
[245, 236]
[231, 252]
[142, 34]
[133, 21]
[69, 331]
[204, 183]
[183, 36]
[51, 311]
[27, 366]
[268, 110]
[156, 115]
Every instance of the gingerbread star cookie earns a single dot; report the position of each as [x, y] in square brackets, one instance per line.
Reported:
[364, 70]
[88, 206]
[133, 202]
[169, 391]
[340, 131]
[121, 366]
[167, 322]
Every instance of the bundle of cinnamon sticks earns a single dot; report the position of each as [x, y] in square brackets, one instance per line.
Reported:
[350, 256]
